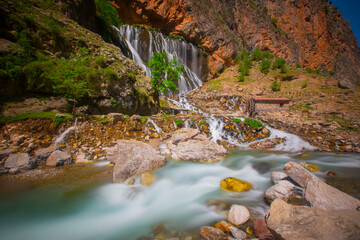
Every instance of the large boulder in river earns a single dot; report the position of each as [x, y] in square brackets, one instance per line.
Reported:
[18, 162]
[299, 174]
[323, 196]
[188, 144]
[133, 157]
[289, 222]
[235, 185]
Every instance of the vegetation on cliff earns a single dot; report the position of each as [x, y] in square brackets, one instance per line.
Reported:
[51, 54]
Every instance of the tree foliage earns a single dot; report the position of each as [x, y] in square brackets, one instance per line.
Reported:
[164, 73]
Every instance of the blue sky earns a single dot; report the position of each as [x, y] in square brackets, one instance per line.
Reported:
[351, 11]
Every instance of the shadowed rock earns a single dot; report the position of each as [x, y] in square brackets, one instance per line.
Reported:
[298, 222]
[323, 196]
[58, 158]
[18, 162]
[299, 174]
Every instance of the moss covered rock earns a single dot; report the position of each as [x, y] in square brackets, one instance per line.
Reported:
[310, 167]
[235, 185]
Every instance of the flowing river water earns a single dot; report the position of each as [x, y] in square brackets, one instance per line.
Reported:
[79, 205]
[183, 198]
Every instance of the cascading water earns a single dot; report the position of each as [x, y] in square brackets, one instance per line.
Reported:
[144, 43]
[157, 128]
[62, 136]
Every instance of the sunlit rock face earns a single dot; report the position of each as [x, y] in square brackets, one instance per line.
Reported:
[311, 33]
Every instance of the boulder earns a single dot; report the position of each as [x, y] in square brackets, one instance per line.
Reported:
[280, 190]
[286, 221]
[133, 157]
[277, 176]
[323, 196]
[299, 174]
[211, 233]
[43, 153]
[268, 143]
[147, 178]
[4, 154]
[238, 215]
[58, 158]
[188, 144]
[115, 117]
[237, 233]
[18, 162]
[235, 185]
[261, 231]
[81, 158]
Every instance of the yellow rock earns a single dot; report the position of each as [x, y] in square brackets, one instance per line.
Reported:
[161, 236]
[110, 164]
[310, 167]
[304, 155]
[223, 226]
[235, 185]
[147, 178]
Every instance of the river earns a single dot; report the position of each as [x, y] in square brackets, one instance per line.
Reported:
[184, 197]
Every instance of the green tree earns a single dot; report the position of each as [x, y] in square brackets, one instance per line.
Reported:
[164, 73]
[265, 66]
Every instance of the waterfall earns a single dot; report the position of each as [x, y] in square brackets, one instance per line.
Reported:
[143, 43]
[63, 135]
[157, 128]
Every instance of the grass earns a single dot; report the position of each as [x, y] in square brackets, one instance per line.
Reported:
[253, 123]
[215, 84]
[237, 120]
[27, 115]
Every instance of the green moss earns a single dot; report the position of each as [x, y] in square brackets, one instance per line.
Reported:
[237, 120]
[179, 122]
[27, 115]
[253, 123]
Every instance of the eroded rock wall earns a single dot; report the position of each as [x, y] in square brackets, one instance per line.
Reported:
[311, 33]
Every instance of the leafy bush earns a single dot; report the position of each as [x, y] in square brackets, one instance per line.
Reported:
[265, 66]
[245, 66]
[274, 22]
[243, 55]
[107, 13]
[164, 72]
[253, 123]
[275, 86]
[241, 77]
[257, 55]
[278, 63]
[309, 70]
[178, 122]
[298, 65]
[267, 55]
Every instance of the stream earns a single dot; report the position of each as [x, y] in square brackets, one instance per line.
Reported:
[183, 198]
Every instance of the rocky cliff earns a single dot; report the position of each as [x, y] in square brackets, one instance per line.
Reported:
[307, 32]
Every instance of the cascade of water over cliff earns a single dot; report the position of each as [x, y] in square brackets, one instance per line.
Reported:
[144, 43]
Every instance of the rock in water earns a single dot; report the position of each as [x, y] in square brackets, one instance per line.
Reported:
[298, 222]
[280, 190]
[58, 158]
[323, 196]
[18, 162]
[237, 233]
[261, 231]
[238, 215]
[147, 178]
[224, 226]
[188, 144]
[278, 176]
[268, 143]
[235, 185]
[132, 157]
[210, 233]
[299, 174]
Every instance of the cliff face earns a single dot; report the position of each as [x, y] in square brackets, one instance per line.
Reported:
[309, 32]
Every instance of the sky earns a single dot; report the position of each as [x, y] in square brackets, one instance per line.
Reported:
[350, 10]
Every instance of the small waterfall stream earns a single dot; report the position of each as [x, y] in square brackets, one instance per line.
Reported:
[143, 43]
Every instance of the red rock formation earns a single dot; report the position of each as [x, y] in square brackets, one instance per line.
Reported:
[309, 32]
